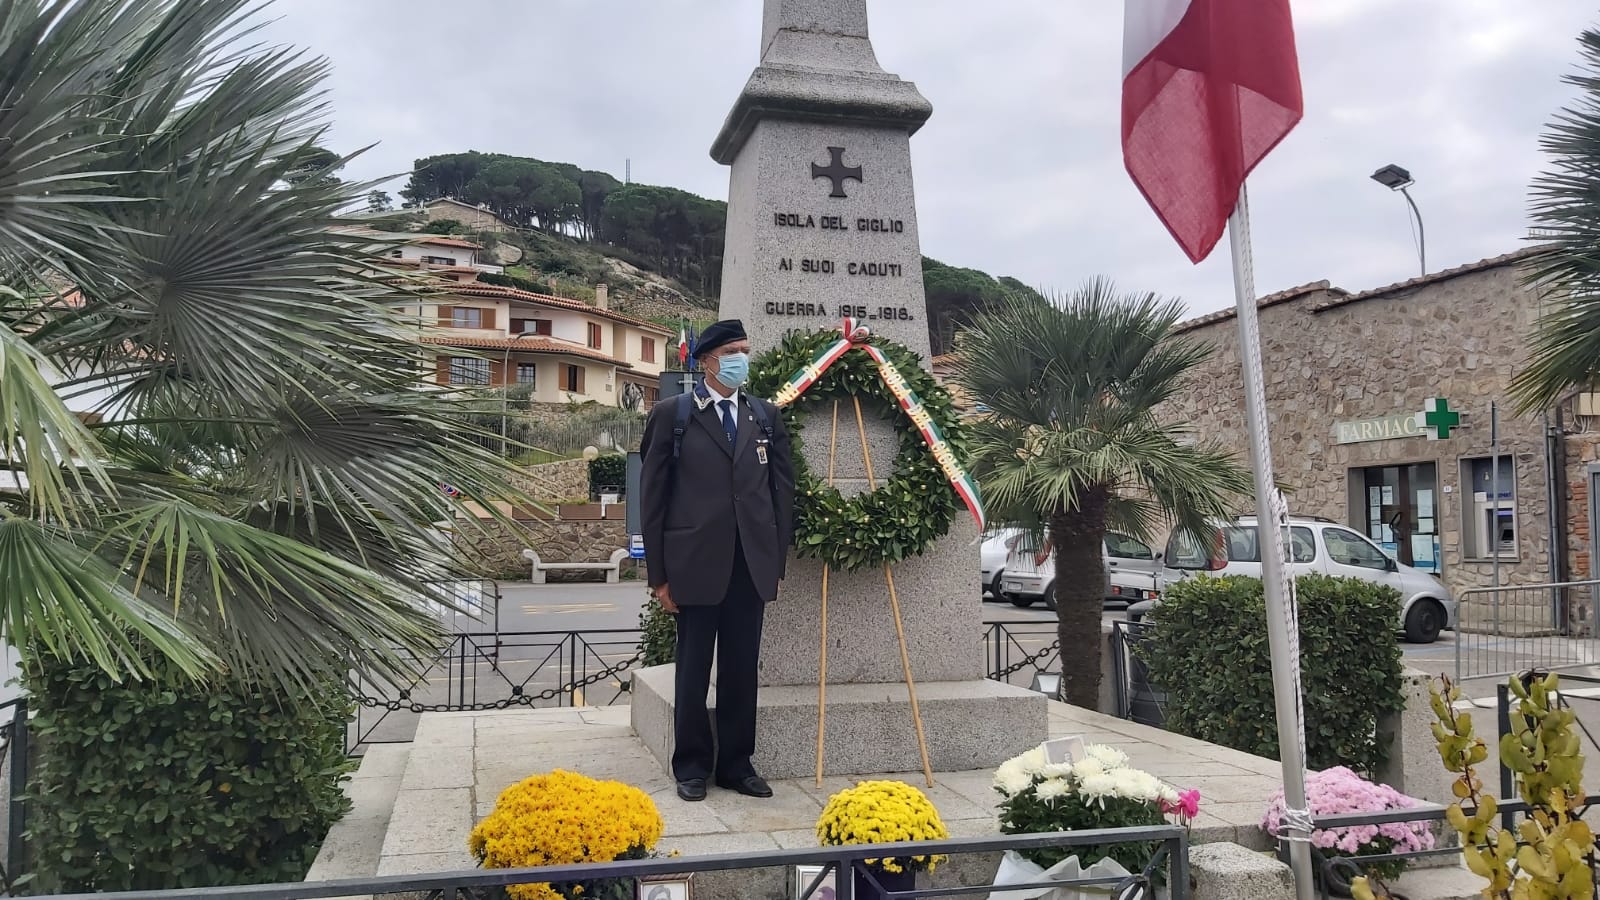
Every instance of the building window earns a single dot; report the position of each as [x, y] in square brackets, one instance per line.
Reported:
[1397, 507]
[532, 326]
[395, 253]
[594, 335]
[466, 317]
[468, 370]
[574, 379]
[1489, 509]
[647, 349]
[525, 373]
[1349, 549]
[439, 260]
[651, 394]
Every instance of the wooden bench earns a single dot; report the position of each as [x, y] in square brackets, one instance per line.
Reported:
[613, 569]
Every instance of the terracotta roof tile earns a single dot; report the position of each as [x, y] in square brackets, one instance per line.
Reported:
[1493, 262]
[1269, 300]
[441, 241]
[526, 345]
[479, 289]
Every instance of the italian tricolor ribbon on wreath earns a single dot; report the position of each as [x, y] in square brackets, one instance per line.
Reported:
[854, 335]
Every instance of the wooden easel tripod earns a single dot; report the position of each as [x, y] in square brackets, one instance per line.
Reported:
[894, 604]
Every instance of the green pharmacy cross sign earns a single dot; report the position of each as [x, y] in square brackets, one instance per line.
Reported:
[1438, 419]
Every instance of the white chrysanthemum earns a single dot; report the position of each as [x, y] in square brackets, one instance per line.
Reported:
[1107, 756]
[1059, 770]
[1053, 788]
[1098, 787]
[1135, 785]
[1169, 794]
[1034, 761]
[1011, 778]
[1089, 768]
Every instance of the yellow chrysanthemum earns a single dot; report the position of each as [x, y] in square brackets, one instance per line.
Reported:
[563, 818]
[882, 812]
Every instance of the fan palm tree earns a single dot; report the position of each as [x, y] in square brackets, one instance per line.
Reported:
[256, 491]
[1072, 445]
[1566, 348]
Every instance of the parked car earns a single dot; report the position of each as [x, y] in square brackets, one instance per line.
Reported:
[992, 560]
[1132, 572]
[1316, 546]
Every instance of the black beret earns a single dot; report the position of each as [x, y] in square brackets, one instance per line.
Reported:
[725, 332]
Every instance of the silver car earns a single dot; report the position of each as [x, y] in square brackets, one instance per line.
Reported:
[1131, 573]
[1318, 546]
[992, 560]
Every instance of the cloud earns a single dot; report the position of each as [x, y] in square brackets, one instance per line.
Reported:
[1019, 172]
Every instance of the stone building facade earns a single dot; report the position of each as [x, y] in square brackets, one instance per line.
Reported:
[1345, 375]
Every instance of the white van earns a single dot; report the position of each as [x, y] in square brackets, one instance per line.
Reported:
[1316, 546]
[1132, 572]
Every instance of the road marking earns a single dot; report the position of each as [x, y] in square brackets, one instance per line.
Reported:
[564, 608]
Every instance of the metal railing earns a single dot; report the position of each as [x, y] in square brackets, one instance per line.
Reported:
[14, 757]
[1513, 628]
[1334, 871]
[1136, 698]
[1169, 868]
[497, 670]
[1020, 648]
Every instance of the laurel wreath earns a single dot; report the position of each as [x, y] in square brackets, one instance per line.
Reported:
[908, 511]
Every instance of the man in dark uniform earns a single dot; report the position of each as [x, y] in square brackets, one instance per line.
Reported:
[717, 480]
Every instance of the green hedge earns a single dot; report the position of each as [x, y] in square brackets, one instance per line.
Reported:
[611, 469]
[167, 783]
[1208, 651]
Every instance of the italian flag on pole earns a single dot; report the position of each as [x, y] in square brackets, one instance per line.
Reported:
[1209, 87]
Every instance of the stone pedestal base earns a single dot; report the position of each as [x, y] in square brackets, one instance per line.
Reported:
[969, 725]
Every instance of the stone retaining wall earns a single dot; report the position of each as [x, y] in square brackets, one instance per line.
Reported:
[562, 480]
[500, 546]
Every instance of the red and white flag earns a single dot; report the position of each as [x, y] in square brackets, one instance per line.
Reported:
[1209, 87]
[683, 346]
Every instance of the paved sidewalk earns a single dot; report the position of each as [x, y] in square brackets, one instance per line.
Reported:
[460, 762]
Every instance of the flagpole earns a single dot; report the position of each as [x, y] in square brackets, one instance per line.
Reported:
[1281, 625]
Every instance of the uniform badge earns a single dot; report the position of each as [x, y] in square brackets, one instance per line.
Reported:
[761, 454]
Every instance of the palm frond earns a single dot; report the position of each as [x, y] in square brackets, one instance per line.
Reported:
[1073, 384]
[62, 599]
[1565, 352]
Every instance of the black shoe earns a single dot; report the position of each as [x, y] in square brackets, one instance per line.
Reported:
[692, 789]
[749, 785]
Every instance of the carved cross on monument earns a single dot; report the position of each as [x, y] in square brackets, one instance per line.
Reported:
[836, 171]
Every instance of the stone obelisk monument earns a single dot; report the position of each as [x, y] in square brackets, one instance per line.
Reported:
[822, 224]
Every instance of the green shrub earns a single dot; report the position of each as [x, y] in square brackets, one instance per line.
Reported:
[608, 470]
[1208, 651]
[660, 639]
[167, 783]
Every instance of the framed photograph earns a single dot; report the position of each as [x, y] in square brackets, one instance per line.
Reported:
[666, 887]
[804, 875]
[1064, 750]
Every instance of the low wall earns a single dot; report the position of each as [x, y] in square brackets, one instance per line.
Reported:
[500, 546]
[562, 480]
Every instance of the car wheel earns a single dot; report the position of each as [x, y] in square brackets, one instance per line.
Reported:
[1424, 622]
[1050, 597]
[995, 590]
[1021, 602]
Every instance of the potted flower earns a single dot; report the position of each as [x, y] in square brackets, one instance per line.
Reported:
[1099, 791]
[564, 819]
[1339, 791]
[882, 812]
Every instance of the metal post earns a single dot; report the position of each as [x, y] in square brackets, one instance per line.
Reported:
[1494, 493]
[1503, 727]
[844, 880]
[17, 809]
[1422, 237]
[1285, 665]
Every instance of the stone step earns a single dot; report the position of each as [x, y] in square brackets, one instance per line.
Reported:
[355, 843]
[1455, 883]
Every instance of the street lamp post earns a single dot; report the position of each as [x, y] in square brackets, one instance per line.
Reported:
[1397, 179]
[505, 388]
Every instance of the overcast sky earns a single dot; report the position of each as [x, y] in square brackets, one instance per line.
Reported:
[1019, 171]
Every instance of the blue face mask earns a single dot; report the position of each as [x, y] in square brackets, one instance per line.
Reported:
[733, 369]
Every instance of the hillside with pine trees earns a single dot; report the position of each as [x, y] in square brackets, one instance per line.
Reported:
[658, 248]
